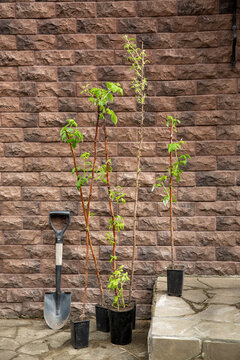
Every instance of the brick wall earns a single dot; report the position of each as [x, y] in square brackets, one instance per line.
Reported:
[49, 50]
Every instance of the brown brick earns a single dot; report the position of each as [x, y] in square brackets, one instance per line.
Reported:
[216, 86]
[228, 193]
[8, 74]
[171, 88]
[11, 252]
[36, 42]
[193, 253]
[177, 24]
[10, 310]
[11, 164]
[136, 26]
[214, 55]
[215, 117]
[74, 104]
[201, 223]
[17, 89]
[22, 237]
[154, 164]
[116, 9]
[8, 281]
[36, 73]
[76, 42]
[10, 223]
[43, 193]
[156, 41]
[228, 253]
[225, 38]
[226, 70]
[76, 73]
[35, 10]
[197, 40]
[215, 268]
[228, 223]
[181, 238]
[228, 163]
[197, 132]
[160, 104]
[42, 164]
[189, 103]
[174, 56]
[36, 104]
[92, 57]
[156, 8]
[10, 193]
[214, 22]
[207, 238]
[39, 281]
[144, 209]
[46, 207]
[20, 208]
[53, 179]
[55, 119]
[7, 11]
[22, 150]
[73, 10]
[189, 148]
[230, 132]
[197, 194]
[180, 209]
[154, 223]
[8, 42]
[55, 58]
[199, 71]
[19, 120]
[19, 27]
[198, 7]
[9, 104]
[50, 89]
[215, 209]
[113, 73]
[25, 295]
[19, 179]
[161, 72]
[128, 179]
[126, 149]
[96, 26]
[153, 253]
[10, 135]
[21, 266]
[215, 148]
[32, 309]
[228, 102]
[110, 42]
[57, 26]
[39, 251]
[201, 163]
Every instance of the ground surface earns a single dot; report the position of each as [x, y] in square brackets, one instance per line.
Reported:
[33, 340]
[203, 324]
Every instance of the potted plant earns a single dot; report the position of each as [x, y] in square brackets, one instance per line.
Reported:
[84, 173]
[102, 97]
[174, 170]
[137, 58]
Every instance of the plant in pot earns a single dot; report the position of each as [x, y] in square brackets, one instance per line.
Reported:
[84, 174]
[137, 58]
[102, 97]
[174, 170]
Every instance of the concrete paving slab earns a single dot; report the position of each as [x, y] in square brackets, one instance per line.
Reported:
[203, 324]
[33, 340]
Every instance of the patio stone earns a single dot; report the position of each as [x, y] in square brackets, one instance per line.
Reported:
[203, 324]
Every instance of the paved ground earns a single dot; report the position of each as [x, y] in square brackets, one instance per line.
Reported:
[32, 340]
[203, 324]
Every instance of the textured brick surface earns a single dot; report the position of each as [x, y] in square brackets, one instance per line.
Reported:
[48, 51]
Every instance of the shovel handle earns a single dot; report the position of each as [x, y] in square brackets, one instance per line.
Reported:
[59, 234]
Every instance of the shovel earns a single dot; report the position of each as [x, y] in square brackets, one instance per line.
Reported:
[57, 304]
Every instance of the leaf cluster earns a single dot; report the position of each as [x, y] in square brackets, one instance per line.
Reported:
[71, 134]
[137, 57]
[102, 97]
[117, 195]
[116, 282]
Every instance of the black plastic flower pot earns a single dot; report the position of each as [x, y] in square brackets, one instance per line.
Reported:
[102, 318]
[175, 282]
[121, 325]
[79, 334]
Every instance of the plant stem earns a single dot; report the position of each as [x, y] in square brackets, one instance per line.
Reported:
[171, 201]
[110, 200]
[88, 237]
[140, 133]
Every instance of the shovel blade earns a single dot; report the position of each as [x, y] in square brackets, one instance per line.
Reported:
[55, 317]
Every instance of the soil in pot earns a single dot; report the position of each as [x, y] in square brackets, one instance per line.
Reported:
[102, 318]
[121, 325]
[175, 282]
[79, 333]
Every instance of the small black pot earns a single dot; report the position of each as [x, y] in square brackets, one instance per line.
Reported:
[121, 325]
[102, 318]
[79, 334]
[174, 282]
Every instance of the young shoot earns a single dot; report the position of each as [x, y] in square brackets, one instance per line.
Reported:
[116, 282]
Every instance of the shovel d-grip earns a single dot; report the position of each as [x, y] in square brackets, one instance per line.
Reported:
[57, 304]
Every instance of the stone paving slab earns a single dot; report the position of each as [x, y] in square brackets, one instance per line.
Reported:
[22, 339]
[203, 324]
